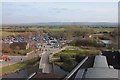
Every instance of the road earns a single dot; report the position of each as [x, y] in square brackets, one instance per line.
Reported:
[44, 63]
[17, 59]
[13, 60]
[47, 67]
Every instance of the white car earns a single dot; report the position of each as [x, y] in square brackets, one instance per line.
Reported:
[1, 60]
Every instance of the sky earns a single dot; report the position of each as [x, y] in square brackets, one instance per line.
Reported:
[37, 12]
[60, 0]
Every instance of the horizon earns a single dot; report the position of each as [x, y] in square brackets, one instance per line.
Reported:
[108, 24]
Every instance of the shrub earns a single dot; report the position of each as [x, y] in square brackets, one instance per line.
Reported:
[5, 51]
[14, 51]
[68, 66]
[19, 52]
[85, 42]
[65, 57]
[79, 58]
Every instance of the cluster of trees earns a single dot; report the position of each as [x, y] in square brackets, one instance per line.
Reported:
[116, 38]
[70, 60]
[69, 32]
[15, 52]
[86, 42]
[6, 51]
[20, 52]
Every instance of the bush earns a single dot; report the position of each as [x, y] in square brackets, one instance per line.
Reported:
[5, 51]
[57, 54]
[20, 52]
[103, 37]
[65, 57]
[85, 42]
[68, 66]
[79, 58]
[15, 51]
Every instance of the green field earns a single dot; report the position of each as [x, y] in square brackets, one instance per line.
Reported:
[54, 29]
[71, 50]
[12, 68]
[104, 29]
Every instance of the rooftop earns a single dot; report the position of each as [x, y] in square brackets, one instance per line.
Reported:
[100, 70]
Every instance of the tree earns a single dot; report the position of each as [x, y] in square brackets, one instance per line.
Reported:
[65, 57]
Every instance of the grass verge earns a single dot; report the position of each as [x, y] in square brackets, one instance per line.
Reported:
[12, 68]
[18, 66]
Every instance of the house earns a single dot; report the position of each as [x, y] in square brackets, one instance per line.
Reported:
[99, 71]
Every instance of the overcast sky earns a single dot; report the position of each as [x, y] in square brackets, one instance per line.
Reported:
[31, 12]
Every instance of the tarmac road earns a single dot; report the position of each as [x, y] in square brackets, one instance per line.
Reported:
[44, 63]
[13, 60]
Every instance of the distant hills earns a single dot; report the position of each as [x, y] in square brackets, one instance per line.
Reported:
[93, 24]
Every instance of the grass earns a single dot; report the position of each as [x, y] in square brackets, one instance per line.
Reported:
[69, 61]
[4, 33]
[55, 30]
[103, 29]
[79, 51]
[36, 29]
[12, 68]
[18, 66]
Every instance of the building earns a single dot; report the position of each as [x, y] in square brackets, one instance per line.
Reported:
[100, 71]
